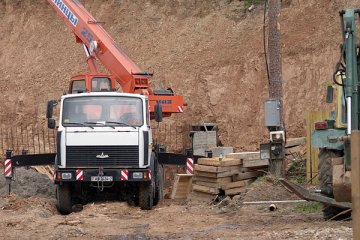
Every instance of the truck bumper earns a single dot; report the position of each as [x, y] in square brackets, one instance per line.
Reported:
[103, 175]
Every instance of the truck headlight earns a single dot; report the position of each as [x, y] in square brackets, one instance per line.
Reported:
[137, 175]
[66, 175]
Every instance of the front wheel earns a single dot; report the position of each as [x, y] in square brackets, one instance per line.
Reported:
[63, 198]
[326, 182]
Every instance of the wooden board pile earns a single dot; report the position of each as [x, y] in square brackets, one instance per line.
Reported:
[229, 176]
[47, 170]
[182, 186]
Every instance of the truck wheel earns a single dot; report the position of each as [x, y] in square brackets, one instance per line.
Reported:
[146, 198]
[159, 188]
[326, 181]
[63, 198]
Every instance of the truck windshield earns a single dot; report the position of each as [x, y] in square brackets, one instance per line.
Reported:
[102, 111]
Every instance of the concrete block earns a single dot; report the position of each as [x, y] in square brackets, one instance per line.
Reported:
[216, 151]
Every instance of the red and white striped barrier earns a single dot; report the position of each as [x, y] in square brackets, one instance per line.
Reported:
[190, 166]
[181, 109]
[124, 175]
[79, 175]
[8, 168]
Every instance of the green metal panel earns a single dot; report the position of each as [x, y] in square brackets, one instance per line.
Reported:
[328, 139]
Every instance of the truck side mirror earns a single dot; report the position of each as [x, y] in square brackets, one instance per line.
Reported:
[50, 108]
[51, 123]
[49, 113]
[329, 94]
[158, 113]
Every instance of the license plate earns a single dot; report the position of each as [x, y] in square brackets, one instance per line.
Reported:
[101, 178]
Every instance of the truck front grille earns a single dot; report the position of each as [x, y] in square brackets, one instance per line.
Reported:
[102, 156]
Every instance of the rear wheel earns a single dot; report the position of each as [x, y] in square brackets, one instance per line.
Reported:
[159, 188]
[326, 182]
[63, 198]
[146, 198]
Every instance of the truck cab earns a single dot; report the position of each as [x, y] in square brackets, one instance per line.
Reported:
[104, 143]
[91, 82]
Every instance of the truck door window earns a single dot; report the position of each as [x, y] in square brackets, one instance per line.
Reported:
[78, 85]
[99, 84]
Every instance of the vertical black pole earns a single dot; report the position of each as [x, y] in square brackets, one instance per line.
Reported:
[275, 72]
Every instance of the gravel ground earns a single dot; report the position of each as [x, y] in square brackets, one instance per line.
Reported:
[27, 183]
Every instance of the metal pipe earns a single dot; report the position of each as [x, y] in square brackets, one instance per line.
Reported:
[271, 202]
[90, 60]
[348, 114]
[272, 207]
[86, 50]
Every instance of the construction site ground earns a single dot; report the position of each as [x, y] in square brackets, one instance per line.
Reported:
[30, 213]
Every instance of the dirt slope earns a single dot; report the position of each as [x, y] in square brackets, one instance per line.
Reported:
[208, 51]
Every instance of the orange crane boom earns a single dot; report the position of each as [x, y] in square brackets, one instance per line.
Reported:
[99, 45]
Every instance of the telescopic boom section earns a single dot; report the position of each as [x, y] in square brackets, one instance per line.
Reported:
[101, 46]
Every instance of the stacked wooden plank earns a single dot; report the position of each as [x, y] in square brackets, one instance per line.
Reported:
[47, 170]
[230, 175]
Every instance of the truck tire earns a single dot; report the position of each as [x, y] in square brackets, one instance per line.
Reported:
[159, 187]
[63, 198]
[325, 181]
[146, 198]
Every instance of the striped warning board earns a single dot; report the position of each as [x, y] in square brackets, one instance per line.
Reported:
[124, 175]
[190, 166]
[8, 168]
[181, 109]
[150, 174]
[79, 175]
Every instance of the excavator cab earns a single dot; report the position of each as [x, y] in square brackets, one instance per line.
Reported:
[92, 83]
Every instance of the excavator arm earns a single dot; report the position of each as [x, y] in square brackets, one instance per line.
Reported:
[101, 46]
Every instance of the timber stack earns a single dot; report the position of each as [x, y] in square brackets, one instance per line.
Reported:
[228, 176]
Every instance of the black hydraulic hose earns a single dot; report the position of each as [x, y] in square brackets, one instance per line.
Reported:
[340, 67]
[338, 70]
[341, 13]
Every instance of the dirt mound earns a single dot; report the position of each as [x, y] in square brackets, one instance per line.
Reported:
[28, 183]
[211, 52]
[38, 206]
[263, 189]
[268, 189]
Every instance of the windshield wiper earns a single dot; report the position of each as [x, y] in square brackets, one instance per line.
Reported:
[81, 124]
[123, 124]
[102, 123]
